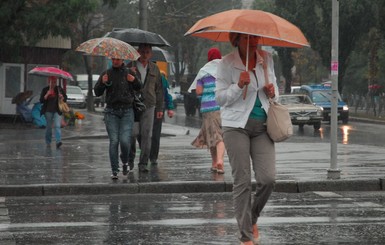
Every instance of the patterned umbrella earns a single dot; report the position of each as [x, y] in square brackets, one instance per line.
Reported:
[109, 47]
[48, 71]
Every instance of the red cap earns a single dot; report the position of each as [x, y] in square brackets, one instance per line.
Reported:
[213, 54]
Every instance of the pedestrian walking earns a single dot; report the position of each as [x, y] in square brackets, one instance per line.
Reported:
[244, 129]
[49, 97]
[152, 93]
[210, 134]
[157, 127]
[119, 85]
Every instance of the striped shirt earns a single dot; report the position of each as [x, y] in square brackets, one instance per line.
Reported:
[208, 102]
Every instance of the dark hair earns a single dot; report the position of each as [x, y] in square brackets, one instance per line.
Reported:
[144, 45]
[234, 38]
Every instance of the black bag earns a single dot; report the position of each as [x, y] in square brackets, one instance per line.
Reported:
[138, 105]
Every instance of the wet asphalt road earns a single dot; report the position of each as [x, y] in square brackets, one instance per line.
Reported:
[304, 218]
[193, 218]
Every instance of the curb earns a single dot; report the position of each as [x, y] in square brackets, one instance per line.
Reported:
[185, 187]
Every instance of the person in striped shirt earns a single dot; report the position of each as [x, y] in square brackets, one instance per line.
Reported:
[210, 134]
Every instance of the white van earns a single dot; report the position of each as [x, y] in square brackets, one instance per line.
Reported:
[82, 82]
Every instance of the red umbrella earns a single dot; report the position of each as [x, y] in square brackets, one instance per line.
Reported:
[49, 71]
[374, 86]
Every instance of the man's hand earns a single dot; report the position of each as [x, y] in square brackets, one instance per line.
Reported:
[159, 114]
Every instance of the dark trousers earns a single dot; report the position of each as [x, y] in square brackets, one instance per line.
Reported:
[155, 140]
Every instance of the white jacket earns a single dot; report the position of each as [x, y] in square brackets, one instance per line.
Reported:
[234, 110]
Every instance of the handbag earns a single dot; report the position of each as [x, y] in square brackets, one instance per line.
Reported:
[278, 122]
[279, 126]
[63, 106]
[138, 105]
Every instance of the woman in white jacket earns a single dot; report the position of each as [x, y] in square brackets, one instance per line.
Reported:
[244, 129]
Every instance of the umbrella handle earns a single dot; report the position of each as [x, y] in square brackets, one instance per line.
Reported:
[247, 65]
[245, 92]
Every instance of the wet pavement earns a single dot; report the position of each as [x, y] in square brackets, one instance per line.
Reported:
[81, 166]
[336, 218]
[66, 196]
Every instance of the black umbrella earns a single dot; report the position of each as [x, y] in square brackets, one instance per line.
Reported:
[159, 54]
[136, 36]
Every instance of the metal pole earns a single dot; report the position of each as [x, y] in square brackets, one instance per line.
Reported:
[143, 15]
[334, 172]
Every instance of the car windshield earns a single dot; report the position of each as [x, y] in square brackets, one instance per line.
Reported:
[323, 96]
[83, 84]
[296, 99]
[73, 90]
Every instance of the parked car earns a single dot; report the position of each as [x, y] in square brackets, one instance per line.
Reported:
[177, 97]
[75, 97]
[82, 82]
[302, 110]
[321, 96]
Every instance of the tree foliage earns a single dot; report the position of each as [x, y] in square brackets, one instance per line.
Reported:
[172, 19]
[313, 17]
[26, 22]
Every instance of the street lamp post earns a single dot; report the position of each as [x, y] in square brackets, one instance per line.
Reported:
[333, 172]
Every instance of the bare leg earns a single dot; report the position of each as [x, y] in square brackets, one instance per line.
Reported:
[220, 150]
[213, 153]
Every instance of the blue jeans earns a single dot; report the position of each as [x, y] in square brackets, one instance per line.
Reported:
[119, 125]
[53, 119]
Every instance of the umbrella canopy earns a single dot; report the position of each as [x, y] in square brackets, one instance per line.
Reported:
[48, 71]
[136, 36]
[22, 96]
[159, 54]
[273, 30]
[109, 47]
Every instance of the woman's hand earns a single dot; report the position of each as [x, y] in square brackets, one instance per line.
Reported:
[269, 90]
[105, 78]
[130, 78]
[170, 113]
[244, 79]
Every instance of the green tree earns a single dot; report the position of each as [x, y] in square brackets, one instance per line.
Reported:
[173, 18]
[25, 22]
[313, 17]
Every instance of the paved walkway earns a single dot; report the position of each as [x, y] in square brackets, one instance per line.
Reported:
[81, 166]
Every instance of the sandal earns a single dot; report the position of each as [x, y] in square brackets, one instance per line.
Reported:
[213, 169]
[220, 169]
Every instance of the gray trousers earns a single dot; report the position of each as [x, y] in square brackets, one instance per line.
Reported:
[143, 132]
[241, 145]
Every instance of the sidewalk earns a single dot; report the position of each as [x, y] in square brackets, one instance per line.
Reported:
[81, 166]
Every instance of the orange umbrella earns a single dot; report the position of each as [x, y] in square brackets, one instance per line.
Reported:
[273, 30]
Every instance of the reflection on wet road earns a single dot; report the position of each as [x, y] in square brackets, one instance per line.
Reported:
[307, 218]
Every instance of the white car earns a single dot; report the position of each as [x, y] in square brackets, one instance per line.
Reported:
[302, 110]
[75, 97]
[82, 82]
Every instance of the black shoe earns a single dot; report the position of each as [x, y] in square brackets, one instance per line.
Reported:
[131, 164]
[58, 145]
[143, 168]
[154, 163]
[114, 175]
[125, 169]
